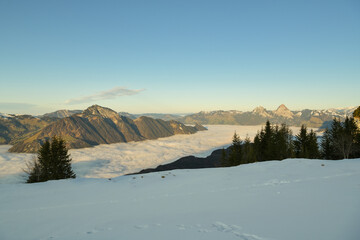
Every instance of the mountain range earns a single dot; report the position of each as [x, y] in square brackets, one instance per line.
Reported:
[311, 118]
[97, 125]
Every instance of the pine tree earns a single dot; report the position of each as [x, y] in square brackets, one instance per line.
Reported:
[33, 169]
[306, 145]
[273, 143]
[53, 162]
[349, 137]
[313, 146]
[267, 142]
[356, 113]
[342, 140]
[235, 156]
[248, 151]
[44, 160]
[342, 136]
[224, 159]
[300, 143]
[327, 146]
[283, 142]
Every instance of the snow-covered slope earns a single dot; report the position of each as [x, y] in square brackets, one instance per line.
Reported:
[285, 200]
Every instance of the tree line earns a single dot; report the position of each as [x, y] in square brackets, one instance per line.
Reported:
[274, 142]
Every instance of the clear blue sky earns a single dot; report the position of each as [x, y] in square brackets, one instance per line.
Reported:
[178, 56]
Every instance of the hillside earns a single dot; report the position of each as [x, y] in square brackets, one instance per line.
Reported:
[99, 125]
[162, 116]
[312, 118]
[62, 113]
[15, 127]
[189, 162]
[293, 199]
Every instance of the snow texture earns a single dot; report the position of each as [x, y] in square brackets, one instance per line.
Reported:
[293, 199]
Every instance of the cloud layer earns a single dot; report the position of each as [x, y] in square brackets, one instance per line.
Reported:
[112, 160]
[109, 94]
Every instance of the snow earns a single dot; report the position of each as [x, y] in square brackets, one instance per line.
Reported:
[113, 160]
[293, 199]
[5, 115]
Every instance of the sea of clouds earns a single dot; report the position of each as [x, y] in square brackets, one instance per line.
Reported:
[111, 160]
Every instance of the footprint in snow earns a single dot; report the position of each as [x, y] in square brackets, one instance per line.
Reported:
[141, 226]
[234, 229]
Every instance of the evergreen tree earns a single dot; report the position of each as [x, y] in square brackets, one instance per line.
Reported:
[248, 149]
[273, 143]
[283, 142]
[224, 159]
[267, 142]
[257, 147]
[53, 162]
[33, 169]
[342, 137]
[327, 146]
[349, 137]
[342, 140]
[263, 143]
[313, 146]
[300, 143]
[44, 160]
[306, 145]
[356, 113]
[235, 156]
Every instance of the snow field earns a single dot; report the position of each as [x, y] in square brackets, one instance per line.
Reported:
[290, 199]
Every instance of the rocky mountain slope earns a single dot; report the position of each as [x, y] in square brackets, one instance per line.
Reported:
[162, 116]
[100, 125]
[61, 113]
[15, 127]
[312, 118]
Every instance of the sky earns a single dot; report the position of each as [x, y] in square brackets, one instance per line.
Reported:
[178, 56]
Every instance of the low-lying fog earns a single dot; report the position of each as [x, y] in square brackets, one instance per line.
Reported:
[105, 161]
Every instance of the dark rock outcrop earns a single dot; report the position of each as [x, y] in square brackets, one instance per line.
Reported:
[189, 162]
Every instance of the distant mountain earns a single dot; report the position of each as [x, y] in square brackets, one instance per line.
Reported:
[162, 116]
[128, 115]
[15, 127]
[62, 113]
[312, 118]
[100, 125]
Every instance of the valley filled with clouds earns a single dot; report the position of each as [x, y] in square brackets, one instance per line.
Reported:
[111, 160]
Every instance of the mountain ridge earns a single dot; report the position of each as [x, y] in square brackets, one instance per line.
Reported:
[259, 115]
[100, 125]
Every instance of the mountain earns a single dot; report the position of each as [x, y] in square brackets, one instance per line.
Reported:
[162, 116]
[261, 111]
[128, 115]
[14, 127]
[62, 113]
[99, 125]
[283, 111]
[312, 118]
[154, 128]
